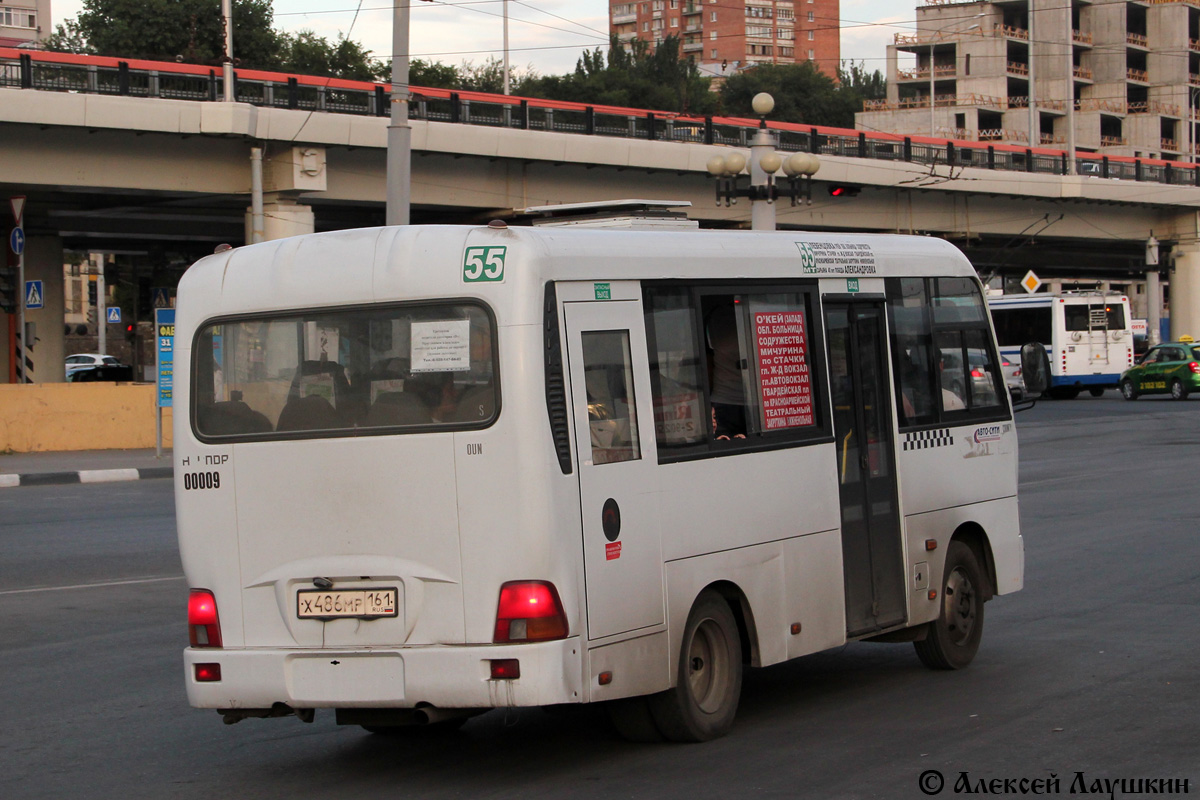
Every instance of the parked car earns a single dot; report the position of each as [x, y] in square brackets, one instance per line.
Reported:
[1012, 378]
[1172, 367]
[81, 360]
[101, 372]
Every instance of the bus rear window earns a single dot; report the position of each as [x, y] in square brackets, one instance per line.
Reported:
[1095, 317]
[345, 372]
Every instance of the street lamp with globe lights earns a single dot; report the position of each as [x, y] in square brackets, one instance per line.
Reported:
[764, 163]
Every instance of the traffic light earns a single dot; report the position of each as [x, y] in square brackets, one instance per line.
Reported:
[9, 296]
[91, 290]
[130, 331]
[843, 190]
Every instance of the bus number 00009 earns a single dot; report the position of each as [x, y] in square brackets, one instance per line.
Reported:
[201, 480]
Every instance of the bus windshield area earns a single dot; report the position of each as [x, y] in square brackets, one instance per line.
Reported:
[345, 372]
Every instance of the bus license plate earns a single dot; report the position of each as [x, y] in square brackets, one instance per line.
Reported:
[361, 603]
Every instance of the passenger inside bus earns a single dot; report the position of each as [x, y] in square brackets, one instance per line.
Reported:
[727, 394]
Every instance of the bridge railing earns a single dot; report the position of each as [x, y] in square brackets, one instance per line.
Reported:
[64, 72]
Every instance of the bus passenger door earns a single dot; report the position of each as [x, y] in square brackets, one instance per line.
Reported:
[872, 551]
[617, 458]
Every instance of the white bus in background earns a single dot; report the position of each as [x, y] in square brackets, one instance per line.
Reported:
[422, 472]
[1087, 335]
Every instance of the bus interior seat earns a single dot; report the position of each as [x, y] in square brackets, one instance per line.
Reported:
[232, 417]
[398, 408]
[308, 413]
[477, 403]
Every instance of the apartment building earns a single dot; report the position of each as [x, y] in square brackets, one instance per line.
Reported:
[723, 36]
[1123, 75]
[24, 22]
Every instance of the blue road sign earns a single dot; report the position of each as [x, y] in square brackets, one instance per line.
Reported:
[33, 295]
[114, 313]
[16, 240]
[164, 333]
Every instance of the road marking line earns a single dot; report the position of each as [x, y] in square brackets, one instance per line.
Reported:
[90, 585]
[10, 479]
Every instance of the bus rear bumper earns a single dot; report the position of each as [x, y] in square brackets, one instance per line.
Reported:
[1107, 380]
[444, 676]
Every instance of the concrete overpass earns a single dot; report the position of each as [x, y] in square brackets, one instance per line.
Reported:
[164, 180]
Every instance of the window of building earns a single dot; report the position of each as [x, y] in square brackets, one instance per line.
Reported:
[713, 17]
[674, 22]
[645, 27]
[18, 18]
[784, 13]
[787, 52]
[674, 4]
[713, 36]
[734, 368]
[713, 52]
[810, 36]
[758, 30]
[811, 55]
[785, 33]
[657, 5]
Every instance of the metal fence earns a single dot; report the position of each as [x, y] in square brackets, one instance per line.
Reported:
[108, 76]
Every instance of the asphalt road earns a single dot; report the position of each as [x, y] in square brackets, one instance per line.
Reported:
[1092, 668]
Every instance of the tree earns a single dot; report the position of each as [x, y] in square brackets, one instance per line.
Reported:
[433, 74]
[802, 94]
[634, 78]
[193, 31]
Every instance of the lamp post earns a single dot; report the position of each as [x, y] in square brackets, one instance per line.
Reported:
[399, 139]
[227, 67]
[763, 190]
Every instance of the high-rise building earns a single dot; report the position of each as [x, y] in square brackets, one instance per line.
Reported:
[23, 22]
[1114, 77]
[723, 36]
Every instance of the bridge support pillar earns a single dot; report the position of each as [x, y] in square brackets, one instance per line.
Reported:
[43, 262]
[1185, 292]
[282, 217]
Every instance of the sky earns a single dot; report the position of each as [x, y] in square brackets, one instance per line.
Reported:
[546, 36]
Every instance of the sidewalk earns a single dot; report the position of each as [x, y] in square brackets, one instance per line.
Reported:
[82, 466]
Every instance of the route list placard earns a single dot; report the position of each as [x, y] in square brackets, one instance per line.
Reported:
[783, 373]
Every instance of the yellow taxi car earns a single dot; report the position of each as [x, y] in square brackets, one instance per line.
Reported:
[1170, 367]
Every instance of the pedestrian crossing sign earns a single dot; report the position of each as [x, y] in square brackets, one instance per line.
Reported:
[33, 295]
[114, 314]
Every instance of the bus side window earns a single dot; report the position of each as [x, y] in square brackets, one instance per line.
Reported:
[908, 306]
[608, 375]
[675, 369]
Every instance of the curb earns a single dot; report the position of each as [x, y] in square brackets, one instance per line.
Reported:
[84, 476]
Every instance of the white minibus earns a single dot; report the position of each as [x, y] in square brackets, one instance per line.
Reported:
[1088, 336]
[422, 472]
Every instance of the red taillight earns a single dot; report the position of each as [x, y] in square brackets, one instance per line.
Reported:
[204, 627]
[208, 673]
[505, 669]
[529, 611]
[976, 373]
[1194, 367]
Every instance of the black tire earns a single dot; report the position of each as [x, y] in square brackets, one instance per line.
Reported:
[1127, 390]
[704, 701]
[1096, 391]
[953, 638]
[631, 718]
[1064, 392]
[1178, 390]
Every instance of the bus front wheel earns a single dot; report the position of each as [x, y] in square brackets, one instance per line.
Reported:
[953, 638]
[704, 700]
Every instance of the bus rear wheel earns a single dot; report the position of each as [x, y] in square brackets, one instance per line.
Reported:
[1127, 390]
[1096, 391]
[1064, 392]
[953, 638]
[704, 701]
[1178, 390]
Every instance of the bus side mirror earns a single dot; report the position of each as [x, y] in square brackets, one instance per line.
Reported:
[1035, 368]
